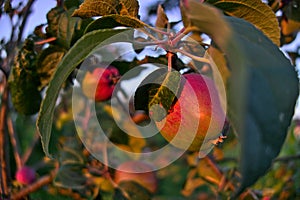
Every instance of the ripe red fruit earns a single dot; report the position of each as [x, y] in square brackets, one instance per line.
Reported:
[26, 175]
[146, 178]
[182, 119]
[104, 79]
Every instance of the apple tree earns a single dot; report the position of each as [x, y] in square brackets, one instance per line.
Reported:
[99, 103]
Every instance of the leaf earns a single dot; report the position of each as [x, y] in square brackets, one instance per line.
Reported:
[162, 19]
[132, 7]
[114, 20]
[66, 28]
[52, 20]
[255, 12]
[132, 191]
[24, 82]
[292, 10]
[70, 176]
[93, 8]
[47, 63]
[220, 61]
[81, 49]
[162, 98]
[262, 91]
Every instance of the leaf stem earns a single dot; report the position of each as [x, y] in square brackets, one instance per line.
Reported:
[197, 58]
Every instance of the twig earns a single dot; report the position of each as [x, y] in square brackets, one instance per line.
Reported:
[4, 160]
[29, 150]
[45, 180]
[197, 58]
[45, 41]
[26, 11]
[15, 143]
[287, 158]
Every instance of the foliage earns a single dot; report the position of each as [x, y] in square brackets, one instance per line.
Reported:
[260, 88]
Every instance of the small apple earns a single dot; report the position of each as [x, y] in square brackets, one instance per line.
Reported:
[144, 176]
[104, 79]
[26, 175]
[201, 120]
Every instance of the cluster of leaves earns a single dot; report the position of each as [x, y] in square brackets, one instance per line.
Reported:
[245, 38]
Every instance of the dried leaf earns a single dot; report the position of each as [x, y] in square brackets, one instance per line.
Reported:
[255, 12]
[162, 19]
[132, 7]
[92, 8]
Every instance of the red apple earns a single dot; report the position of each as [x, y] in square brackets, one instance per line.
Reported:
[104, 79]
[144, 176]
[26, 175]
[195, 115]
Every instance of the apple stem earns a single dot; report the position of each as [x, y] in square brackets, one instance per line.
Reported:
[169, 56]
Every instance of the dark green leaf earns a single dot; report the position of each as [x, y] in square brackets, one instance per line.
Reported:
[81, 49]
[70, 176]
[24, 82]
[262, 90]
[72, 3]
[141, 96]
[114, 20]
[162, 98]
[66, 28]
[292, 10]
[266, 85]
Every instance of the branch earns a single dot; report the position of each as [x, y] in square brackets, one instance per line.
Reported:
[14, 143]
[4, 167]
[45, 180]
[287, 158]
[26, 12]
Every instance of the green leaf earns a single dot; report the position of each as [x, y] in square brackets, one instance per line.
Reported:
[66, 28]
[114, 20]
[47, 63]
[255, 12]
[292, 10]
[162, 98]
[70, 176]
[262, 90]
[157, 92]
[81, 49]
[24, 82]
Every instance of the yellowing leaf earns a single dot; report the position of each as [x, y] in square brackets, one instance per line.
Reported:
[132, 7]
[289, 26]
[220, 61]
[255, 12]
[162, 19]
[92, 8]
